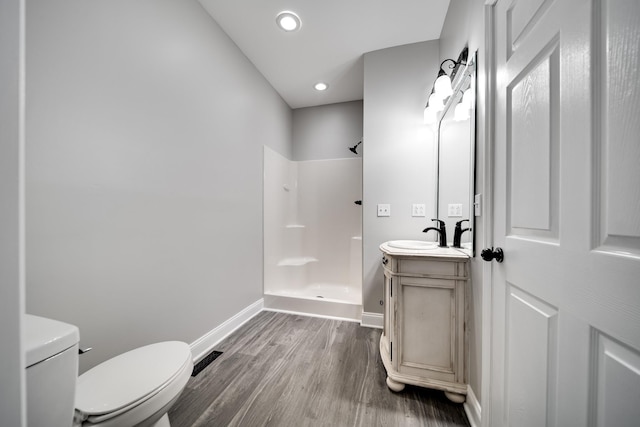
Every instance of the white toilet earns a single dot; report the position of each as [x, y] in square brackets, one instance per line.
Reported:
[134, 388]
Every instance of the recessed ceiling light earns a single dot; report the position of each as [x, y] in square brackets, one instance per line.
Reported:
[321, 86]
[288, 21]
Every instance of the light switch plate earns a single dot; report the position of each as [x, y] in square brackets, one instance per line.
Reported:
[455, 210]
[384, 210]
[418, 209]
[477, 205]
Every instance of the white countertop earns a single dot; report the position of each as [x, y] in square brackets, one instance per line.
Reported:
[437, 252]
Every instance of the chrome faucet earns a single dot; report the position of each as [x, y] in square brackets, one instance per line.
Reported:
[457, 233]
[441, 229]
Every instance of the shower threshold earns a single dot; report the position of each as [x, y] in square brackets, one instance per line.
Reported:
[317, 301]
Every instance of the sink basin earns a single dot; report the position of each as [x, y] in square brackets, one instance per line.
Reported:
[412, 244]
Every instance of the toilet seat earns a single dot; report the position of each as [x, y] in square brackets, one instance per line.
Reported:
[133, 386]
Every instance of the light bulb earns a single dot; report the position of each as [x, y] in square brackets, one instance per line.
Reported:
[442, 86]
[435, 102]
[467, 98]
[461, 112]
[429, 116]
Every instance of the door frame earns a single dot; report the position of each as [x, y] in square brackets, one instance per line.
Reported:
[487, 206]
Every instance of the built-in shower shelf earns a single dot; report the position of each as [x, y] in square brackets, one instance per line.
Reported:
[297, 261]
[294, 226]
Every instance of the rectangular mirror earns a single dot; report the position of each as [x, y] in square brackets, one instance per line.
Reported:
[456, 156]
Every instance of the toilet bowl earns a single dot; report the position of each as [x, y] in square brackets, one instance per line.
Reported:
[135, 388]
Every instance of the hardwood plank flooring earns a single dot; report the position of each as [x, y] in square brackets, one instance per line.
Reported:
[287, 370]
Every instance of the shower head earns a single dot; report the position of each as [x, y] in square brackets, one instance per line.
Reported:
[354, 148]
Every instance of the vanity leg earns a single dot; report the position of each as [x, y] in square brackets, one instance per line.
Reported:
[454, 397]
[394, 385]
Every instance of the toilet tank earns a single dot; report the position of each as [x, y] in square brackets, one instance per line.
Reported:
[52, 370]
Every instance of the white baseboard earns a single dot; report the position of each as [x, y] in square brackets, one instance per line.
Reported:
[203, 345]
[472, 408]
[372, 320]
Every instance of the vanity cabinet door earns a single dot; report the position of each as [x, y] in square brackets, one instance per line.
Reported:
[430, 328]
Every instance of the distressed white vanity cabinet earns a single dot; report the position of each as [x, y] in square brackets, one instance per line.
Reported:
[424, 341]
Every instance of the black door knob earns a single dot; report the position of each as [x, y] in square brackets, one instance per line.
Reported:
[489, 254]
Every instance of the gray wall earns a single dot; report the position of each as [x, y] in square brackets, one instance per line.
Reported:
[145, 128]
[327, 131]
[399, 162]
[12, 373]
[464, 25]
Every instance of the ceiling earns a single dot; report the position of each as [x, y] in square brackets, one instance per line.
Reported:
[330, 44]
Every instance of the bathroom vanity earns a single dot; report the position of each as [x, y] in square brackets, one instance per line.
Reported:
[424, 341]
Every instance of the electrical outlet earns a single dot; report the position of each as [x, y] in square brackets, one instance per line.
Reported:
[455, 210]
[384, 210]
[418, 209]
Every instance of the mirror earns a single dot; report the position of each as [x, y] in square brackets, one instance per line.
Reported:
[456, 156]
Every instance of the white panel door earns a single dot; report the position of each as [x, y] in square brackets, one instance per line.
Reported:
[566, 300]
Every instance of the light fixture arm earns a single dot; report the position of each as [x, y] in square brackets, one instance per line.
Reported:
[462, 60]
[451, 67]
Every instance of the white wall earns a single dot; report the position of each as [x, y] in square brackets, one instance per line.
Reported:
[327, 131]
[400, 158]
[464, 25]
[145, 128]
[12, 360]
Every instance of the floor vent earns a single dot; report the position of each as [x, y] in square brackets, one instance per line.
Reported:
[198, 367]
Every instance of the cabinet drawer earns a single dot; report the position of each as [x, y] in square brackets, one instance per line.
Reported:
[431, 268]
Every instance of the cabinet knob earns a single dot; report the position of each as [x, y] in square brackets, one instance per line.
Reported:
[489, 254]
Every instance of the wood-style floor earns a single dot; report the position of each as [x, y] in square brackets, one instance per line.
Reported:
[287, 370]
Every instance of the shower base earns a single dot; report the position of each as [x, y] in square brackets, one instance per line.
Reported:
[318, 299]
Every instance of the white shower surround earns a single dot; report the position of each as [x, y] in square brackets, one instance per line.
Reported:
[312, 236]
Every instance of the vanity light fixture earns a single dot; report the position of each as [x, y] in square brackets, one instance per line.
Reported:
[442, 86]
[320, 86]
[288, 21]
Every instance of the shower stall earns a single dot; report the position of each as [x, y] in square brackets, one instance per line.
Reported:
[313, 236]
